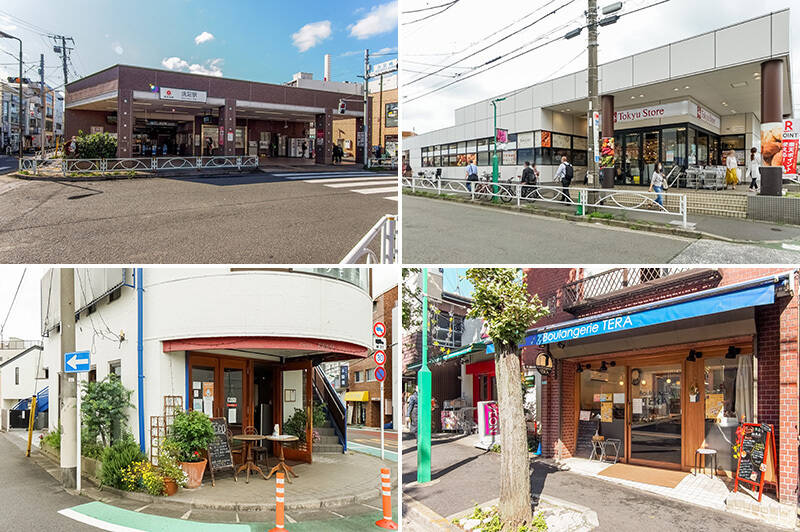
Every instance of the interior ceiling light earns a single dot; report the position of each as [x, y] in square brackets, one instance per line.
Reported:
[676, 89]
[686, 87]
[641, 96]
[733, 111]
[739, 84]
[603, 366]
[725, 104]
[732, 352]
[633, 97]
[756, 74]
[579, 369]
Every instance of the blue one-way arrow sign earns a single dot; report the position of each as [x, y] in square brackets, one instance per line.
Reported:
[76, 362]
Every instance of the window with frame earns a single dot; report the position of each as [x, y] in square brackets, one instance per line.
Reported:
[369, 375]
[115, 368]
[357, 376]
[16, 375]
[449, 329]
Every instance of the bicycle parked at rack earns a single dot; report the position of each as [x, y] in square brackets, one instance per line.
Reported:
[484, 188]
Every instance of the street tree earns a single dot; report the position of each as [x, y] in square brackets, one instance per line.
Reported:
[502, 301]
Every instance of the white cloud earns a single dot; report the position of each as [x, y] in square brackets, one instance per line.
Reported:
[203, 38]
[117, 47]
[311, 35]
[212, 67]
[379, 20]
[6, 24]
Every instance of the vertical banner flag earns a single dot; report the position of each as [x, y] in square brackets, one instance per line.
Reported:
[789, 148]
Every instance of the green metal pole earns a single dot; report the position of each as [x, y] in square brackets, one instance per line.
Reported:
[424, 396]
[495, 165]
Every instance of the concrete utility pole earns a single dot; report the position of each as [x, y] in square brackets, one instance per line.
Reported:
[43, 110]
[68, 386]
[4, 35]
[366, 107]
[594, 96]
[64, 52]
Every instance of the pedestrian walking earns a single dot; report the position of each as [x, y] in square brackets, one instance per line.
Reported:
[530, 176]
[411, 413]
[753, 168]
[731, 177]
[304, 147]
[564, 174]
[658, 183]
[472, 174]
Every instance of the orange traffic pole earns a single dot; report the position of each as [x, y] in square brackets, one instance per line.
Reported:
[386, 491]
[278, 504]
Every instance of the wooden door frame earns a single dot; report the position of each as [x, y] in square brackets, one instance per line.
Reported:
[289, 452]
[218, 362]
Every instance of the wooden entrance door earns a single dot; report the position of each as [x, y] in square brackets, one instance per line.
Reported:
[229, 381]
[295, 402]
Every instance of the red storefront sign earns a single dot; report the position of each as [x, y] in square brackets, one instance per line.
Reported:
[789, 147]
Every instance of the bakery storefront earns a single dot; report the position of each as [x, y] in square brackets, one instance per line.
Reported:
[666, 378]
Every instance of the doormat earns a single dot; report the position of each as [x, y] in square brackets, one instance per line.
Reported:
[646, 475]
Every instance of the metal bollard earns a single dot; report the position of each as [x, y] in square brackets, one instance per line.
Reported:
[386, 490]
[279, 527]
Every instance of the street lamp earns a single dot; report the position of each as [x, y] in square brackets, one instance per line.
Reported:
[495, 164]
[19, 109]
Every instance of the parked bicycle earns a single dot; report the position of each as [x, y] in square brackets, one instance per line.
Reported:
[484, 188]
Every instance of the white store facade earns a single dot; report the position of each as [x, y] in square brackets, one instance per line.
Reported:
[687, 103]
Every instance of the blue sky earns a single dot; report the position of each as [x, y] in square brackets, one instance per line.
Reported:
[454, 281]
[265, 40]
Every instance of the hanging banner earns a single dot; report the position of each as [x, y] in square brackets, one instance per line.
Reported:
[607, 153]
[771, 141]
[502, 136]
[789, 147]
[596, 135]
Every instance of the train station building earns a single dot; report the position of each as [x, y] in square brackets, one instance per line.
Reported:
[166, 113]
[687, 103]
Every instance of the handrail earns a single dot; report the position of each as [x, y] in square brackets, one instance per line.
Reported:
[331, 398]
[386, 230]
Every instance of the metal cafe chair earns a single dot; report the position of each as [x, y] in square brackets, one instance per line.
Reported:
[237, 450]
[259, 448]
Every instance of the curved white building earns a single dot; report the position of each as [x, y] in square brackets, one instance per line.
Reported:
[239, 344]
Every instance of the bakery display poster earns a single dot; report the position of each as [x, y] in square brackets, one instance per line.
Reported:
[771, 144]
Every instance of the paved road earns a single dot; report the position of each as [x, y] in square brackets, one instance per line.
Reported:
[372, 437]
[436, 232]
[250, 218]
[31, 497]
[465, 476]
[8, 164]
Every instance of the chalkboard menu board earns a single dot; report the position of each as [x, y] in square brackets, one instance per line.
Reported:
[219, 450]
[756, 456]
[586, 429]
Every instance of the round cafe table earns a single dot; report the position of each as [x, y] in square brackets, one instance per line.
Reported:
[281, 440]
[249, 465]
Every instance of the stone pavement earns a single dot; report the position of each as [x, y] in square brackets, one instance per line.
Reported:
[463, 476]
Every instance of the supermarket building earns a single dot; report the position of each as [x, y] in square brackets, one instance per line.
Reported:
[198, 115]
[686, 103]
[667, 361]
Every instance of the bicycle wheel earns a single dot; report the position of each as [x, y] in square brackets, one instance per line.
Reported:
[505, 193]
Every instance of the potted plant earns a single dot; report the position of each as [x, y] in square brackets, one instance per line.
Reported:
[169, 465]
[191, 434]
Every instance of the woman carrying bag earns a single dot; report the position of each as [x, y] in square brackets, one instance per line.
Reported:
[753, 168]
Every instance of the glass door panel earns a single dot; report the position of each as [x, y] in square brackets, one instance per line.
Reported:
[650, 155]
[296, 415]
[655, 423]
[233, 395]
[633, 175]
[203, 377]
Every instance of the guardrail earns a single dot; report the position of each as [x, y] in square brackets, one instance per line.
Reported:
[386, 231]
[150, 164]
[599, 198]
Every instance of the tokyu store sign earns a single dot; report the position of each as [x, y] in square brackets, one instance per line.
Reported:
[182, 95]
[664, 110]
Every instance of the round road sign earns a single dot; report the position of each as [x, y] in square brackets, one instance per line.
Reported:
[380, 374]
[380, 357]
[379, 329]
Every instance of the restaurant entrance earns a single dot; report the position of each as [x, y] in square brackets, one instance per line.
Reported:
[220, 387]
[655, 424]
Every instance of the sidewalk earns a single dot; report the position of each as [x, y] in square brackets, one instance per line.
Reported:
[463, 476]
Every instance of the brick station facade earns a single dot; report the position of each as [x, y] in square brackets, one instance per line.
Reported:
[133, 103]
[773, 340]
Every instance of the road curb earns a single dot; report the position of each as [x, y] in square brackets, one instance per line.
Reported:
[623, 224]
[419, 516]
[91, 179]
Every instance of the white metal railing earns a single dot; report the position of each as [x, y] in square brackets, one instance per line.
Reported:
[151, 164]
[386, 231]
[600, 198]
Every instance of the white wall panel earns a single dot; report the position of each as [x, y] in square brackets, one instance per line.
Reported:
[562, 122]
[459, 115]
[524, 121]
[744, 42]
[469, 131]
[564, 89]
[780, 33]
[469, 113]
[507, 122]
[543, 94]
[733, 124]
[692, 55]
[546, 120]
[523, 100]
[651, 66]
[616, 75]
[481, 110]
[582, 84]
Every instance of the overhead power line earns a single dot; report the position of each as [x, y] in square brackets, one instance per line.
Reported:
[426, 8]
[426, 17]
[11, 306]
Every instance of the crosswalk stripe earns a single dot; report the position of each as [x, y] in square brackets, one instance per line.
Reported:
[375, 190]
[362, 184]
[391, 198]
[302, 174]
[347, 180]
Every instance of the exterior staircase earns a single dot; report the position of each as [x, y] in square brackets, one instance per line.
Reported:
[328, 441]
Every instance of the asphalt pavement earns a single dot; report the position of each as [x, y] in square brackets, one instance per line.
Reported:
[463, 476]
[8, 164]
[257, 217]
[444, 232]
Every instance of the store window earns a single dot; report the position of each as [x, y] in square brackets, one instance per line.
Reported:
[602, 398]
[357, 376]
[115, 368]
[702, 148]
[729, 397]
[734, 143]
[526, 154]
[541, 156]
[692, 143]
[483, 158]
[448, 330]
[16, 375]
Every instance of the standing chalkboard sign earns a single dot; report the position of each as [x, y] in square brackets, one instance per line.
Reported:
[586, 429]
[219, 450]
[757, 459]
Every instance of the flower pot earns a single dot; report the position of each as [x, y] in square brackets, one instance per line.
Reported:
[194, 470]
[170, 487]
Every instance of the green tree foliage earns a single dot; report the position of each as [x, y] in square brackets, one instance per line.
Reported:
[95, 146]
[103, 405]
[117, 458]
[412, 299]
[192, 432]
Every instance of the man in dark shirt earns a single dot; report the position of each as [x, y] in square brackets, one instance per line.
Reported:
[528, 178]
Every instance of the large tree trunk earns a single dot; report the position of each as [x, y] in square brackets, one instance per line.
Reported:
[515, 484]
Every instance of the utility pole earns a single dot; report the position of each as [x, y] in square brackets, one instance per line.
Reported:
[4, 35]
[68, 386]
[63, 51]
[495, 162]
[43, 110]
[424, 380]
[365, 120]
[380, 116]
[594, 96]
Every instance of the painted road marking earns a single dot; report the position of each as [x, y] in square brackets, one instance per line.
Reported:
[323, 172]
[391, 198]
[370, 183]
[374, 451]
[187, 514]
[348, 179]
[333, 176]
[108, 517]
[142, 508]
[376, 190]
